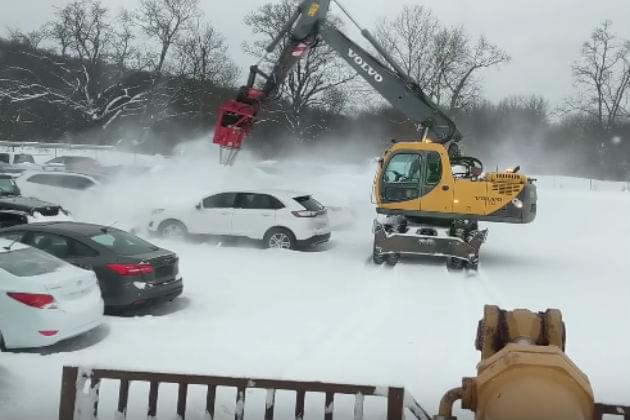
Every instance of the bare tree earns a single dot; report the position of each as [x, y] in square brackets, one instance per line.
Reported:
[442, 60]
[315, 82]
[32, 39]
[84, 29]
[410, 40]
[82, 81]
[164, 20]
[202, 55]
[603, 75]
[462, 86]
[123, 49]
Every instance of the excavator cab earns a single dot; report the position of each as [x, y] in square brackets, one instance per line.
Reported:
[409, 175]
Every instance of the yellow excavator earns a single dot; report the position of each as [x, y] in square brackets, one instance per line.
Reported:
[429, 198]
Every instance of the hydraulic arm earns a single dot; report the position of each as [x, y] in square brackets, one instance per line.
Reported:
[306, 28]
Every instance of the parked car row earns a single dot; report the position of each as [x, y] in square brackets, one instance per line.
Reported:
[56, 278]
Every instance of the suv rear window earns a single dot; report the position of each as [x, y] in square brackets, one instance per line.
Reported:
[23, 158]
[27, 262]
[309, 203]
[123, 243]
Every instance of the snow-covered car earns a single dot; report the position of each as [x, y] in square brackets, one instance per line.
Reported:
[67, 188]
[14, 158]
[44, 300]
[16, 209]
[78, 164]
[281, 219]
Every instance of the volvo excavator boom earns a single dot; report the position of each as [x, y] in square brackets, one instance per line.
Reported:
[306, 28]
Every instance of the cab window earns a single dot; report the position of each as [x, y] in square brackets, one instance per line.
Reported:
[401, 177]
[434, 169]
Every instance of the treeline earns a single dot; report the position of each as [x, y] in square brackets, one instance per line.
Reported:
[154, 76]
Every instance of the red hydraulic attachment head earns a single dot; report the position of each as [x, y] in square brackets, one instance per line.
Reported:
[234, 122]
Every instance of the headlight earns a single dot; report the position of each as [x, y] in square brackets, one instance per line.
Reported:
[517, 203]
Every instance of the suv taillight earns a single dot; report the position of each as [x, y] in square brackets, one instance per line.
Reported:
[34, 300]
[125, 270]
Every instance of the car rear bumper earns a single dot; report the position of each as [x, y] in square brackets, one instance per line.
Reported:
[314, 240]
[66, 323]
[138, 294]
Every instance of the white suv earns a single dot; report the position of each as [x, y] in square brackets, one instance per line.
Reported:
[282, 219]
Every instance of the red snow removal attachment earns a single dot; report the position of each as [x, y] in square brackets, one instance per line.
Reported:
[234, 122]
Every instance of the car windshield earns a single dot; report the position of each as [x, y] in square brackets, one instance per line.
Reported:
[123, 243]
[8, 187]
[28, 262]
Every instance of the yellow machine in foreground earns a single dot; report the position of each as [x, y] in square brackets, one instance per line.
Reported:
[524, 373]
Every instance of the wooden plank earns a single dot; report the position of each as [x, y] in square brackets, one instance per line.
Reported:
[270, 403]
[330, 406]
[299, 405]
[153, 397]
[211, 397]
[235, 382]
[123, 398]
[95, 386]
[358, 406]
[239, 411]
[68, 392]
[182, 396]
[599, 410]
[395, 401]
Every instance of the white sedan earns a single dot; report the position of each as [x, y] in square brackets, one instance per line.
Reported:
[280, 218]
[44, 300]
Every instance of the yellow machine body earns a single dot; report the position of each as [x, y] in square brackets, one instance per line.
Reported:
[416, 179]
[510, 381]
[524, 373]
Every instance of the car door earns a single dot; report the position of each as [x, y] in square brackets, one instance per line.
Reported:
[213, 215]
[254, 214]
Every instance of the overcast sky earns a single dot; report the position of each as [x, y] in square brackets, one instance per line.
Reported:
[542, 36]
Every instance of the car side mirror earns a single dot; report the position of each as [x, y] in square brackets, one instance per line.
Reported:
[198, 206]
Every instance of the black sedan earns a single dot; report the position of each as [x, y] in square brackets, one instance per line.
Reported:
[130, 271]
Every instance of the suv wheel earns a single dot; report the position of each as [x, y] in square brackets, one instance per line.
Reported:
[280, 238]
[173, 229]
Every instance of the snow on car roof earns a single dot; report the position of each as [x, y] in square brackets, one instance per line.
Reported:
[269, 191]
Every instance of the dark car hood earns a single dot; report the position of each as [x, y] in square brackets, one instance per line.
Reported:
[29, 204]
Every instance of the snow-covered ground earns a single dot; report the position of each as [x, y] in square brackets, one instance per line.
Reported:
[330, 314]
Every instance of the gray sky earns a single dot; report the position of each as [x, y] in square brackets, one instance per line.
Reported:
[542, 36]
